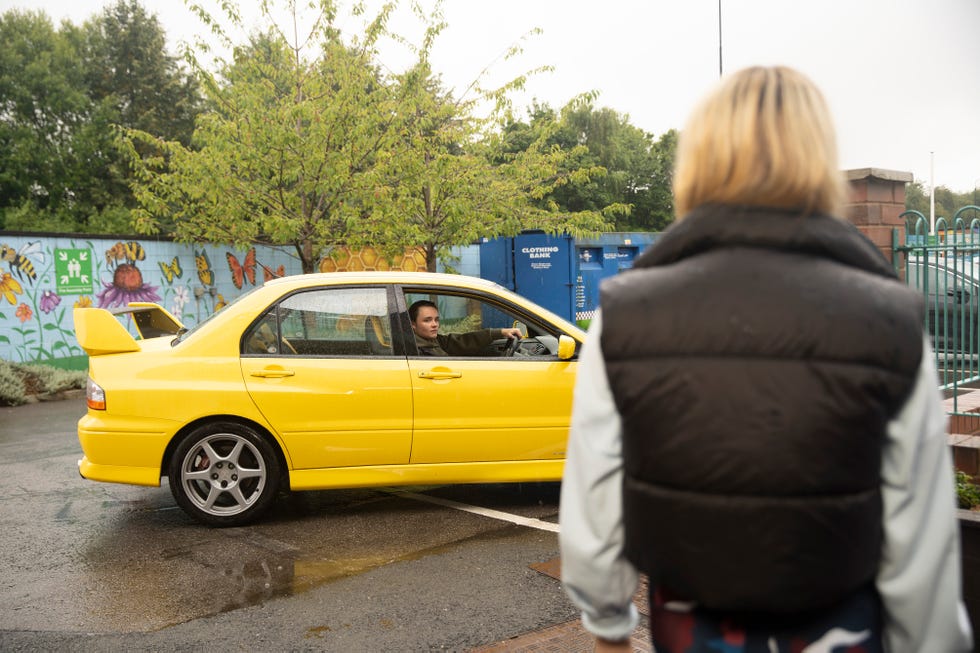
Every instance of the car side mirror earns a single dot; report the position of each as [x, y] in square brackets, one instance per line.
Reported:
[566, 347]
[962, 296]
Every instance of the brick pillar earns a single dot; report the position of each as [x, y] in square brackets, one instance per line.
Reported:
[876, 200]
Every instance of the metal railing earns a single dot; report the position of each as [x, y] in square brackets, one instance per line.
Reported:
[944, 264]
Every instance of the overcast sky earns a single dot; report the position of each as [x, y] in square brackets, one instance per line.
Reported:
[902, 76]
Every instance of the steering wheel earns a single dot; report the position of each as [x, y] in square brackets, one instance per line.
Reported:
[513, 344]
[288, 345]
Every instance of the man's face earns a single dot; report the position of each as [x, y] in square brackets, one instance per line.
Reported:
[426, 322]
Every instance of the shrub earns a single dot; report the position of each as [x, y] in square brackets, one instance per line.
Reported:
[967, 493]
[11, 386]
[52, 379]
[18, 381]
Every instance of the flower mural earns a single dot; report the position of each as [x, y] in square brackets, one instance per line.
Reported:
[43, 279]
[181, 297]
[127, 286]
[24, 313]
[10, 288]
[49, 301]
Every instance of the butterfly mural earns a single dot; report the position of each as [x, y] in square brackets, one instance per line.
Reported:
[203, 265]
[240, 271]
[171, 270]
[268, 273]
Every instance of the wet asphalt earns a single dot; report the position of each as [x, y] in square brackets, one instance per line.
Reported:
[103, 567]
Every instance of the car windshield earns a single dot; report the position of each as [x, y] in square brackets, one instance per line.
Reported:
[184, 334]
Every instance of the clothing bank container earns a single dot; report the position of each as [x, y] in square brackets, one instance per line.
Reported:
[561, 273]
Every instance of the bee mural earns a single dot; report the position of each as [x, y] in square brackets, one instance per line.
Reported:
[129, 252]
[19, 260]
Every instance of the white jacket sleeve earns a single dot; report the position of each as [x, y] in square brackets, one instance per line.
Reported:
[919, 576]
[596, 576]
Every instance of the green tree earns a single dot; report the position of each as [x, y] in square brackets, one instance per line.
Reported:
[128, 67]
[450, 182]
[324, 150]
[637, 170]
[916, 196]
[42, 109]
[656, 201]
[65, 91]
[612, 143]
[946, 202]
[547, 128]
[285, 154]
[132, 82]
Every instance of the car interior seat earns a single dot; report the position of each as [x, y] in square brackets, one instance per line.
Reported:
[261, 341]
[377, 338]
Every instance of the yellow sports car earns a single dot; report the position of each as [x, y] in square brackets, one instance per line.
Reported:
[328, 381]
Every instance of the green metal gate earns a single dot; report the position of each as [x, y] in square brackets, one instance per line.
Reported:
[944, 266]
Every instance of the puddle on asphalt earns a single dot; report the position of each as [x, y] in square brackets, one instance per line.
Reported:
[274, 578]
[185, 583]
[191, 572]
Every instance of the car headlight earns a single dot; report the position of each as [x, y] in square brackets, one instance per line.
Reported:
[94, 395]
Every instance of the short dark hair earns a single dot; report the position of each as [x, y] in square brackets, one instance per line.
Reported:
[413, 310]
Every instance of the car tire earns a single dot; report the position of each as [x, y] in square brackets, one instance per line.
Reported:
[224, 474]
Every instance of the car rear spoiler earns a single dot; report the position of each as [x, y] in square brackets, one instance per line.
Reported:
[99, 331]
[152, 320]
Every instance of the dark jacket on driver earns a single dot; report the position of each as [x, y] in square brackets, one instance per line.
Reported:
[458, 344]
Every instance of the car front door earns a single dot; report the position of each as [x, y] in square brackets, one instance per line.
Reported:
[483, 406]
[324, 370]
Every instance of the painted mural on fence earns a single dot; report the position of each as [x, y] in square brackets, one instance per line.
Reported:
[43, 277]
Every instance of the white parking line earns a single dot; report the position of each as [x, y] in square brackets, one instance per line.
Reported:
[486, 512]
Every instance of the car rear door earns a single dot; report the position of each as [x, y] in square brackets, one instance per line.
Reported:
[335, 399]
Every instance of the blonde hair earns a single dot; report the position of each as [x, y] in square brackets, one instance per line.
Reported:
[763, 137]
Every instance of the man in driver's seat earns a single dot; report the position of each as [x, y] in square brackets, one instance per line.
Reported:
[425, 323]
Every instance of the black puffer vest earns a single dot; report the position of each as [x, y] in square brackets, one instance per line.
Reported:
[756, 358]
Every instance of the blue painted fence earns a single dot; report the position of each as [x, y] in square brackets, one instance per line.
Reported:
[43, 276]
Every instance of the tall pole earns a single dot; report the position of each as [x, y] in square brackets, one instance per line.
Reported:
[720, 71]
[932, 193]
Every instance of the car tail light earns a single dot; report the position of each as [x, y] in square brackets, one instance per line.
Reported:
[94, 395]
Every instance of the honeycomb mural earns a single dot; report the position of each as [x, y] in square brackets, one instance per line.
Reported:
[368, 258]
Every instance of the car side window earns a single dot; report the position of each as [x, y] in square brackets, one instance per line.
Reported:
[325, 322]
[263, 337]
[463, 317]
[945, 285]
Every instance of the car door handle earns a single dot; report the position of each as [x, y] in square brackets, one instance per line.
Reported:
[273, 374]
[439, 374]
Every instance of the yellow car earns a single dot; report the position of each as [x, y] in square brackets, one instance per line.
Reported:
[317, 381]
